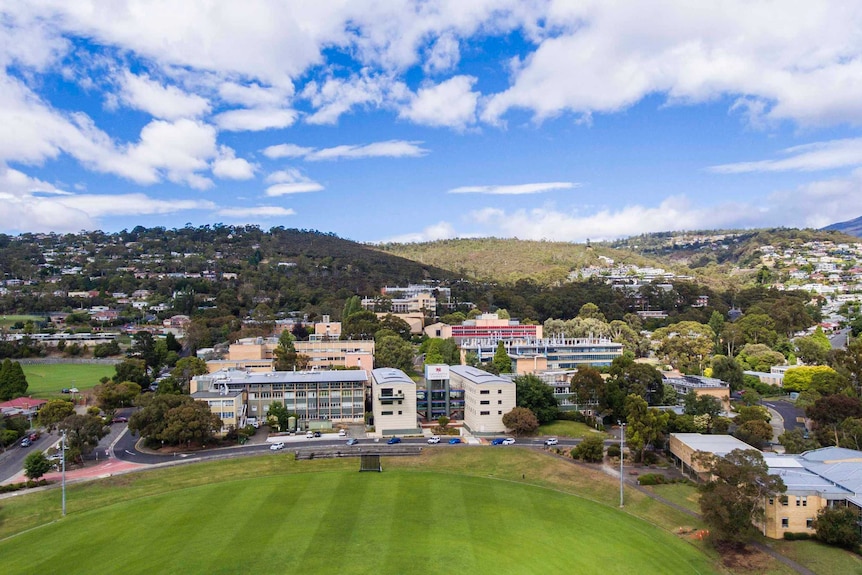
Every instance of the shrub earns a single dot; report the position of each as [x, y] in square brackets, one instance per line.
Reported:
[571, 416]
[789, 536]
[614, 451]
[652, 479]
[649, 458]
[591, 449]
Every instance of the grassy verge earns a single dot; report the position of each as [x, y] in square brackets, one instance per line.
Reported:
[562, 428]
[818, 557]
[682, 494]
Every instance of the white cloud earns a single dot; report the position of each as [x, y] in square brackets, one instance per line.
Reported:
[443, 55]
[228, 166]
[286, 151]
[167, 102]
[388, 149]
[516, 189]
[255, 119]
[254, 95]
[256, 212]
[179, 150]
[337, 96]
[806, 158]
[451, 103]
[438, 231]
[129, 204]
[290, 181]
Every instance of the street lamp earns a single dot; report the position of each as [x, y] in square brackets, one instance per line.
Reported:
[63, 460]
[622, 455]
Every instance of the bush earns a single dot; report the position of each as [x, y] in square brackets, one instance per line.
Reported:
[789, 536]
[23, 485]
[591, 449]
[652, 479]
[614, 451]
[571, 416]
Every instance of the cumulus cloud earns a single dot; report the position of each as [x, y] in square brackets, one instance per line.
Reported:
[256, 212]
[516, 189]
[806, 158]
[336, 96]
[179, 150]
[388, 149]
[451, 103]
[290, 181]
[255, 119]
[438, 231]
[167, 102]
[228, 166]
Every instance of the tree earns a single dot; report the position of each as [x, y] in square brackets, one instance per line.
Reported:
[587, 386]
[686, 344]
[537, 396]
[83, 433]
[828, 413]
[732, 337]
[144, 348]
[759, 357]
[752, 413]
[590, 450]
[174, 419]
[838, 526]
[55, 411]
[397, 325]
[705, 406]
[502, 362]
[351, 306]
[112, 395]
[756, 432]
[758, 328]
[795, 441]
[187, 368]
[13, 382]
[733, 498]
[360, 325]
[645, 425]
[278, 416]
[132, 370]
[716, 322]
[392, 351]
[727, 370]
[285, 353]
[810, 350]
[36, 465]
[521, 421]
[639, 378]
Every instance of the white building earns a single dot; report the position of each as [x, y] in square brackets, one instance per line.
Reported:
[487, 398]
[393, 402]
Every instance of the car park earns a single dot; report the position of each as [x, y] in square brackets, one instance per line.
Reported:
[455, 441]
[276, 446]
[352, 441]
[394, 440]
[434, 439]
[551, 441]
[497, 441]
[509, 441]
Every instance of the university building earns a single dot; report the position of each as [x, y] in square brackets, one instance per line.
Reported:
[393, 402]
[530, 356]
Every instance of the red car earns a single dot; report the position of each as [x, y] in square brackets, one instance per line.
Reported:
[120, 419]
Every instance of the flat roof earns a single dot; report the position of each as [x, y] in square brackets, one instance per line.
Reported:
[717, 444]
[478, 376]
[390, 376]
[215, 394]
[242, 376]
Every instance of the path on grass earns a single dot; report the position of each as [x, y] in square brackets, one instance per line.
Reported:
[609, 470]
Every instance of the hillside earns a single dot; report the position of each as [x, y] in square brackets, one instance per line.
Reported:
[510, 260]
[852, 227]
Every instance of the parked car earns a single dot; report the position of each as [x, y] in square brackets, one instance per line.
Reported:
[551, 441]
[497, 441]
[394, 440]
[434, 439]
[509, 441]
[26, 442]
[73, 390]
[352, 441]
[455, 441]
[276, 446]
[65, 390]
[34, 436]
[316, 434]
[55, 457]
[120, 419]
[309, 435]
[342, 433]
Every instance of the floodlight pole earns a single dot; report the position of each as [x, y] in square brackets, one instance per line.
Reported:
[63, 460]
[622, 455]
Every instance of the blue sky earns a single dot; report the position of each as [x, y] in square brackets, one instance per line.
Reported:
[415, 121]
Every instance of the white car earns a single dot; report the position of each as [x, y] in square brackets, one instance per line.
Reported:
[342, 433]
[276, 446]
[551, 441]
[434, 439]
[509, 441]
[309, 435]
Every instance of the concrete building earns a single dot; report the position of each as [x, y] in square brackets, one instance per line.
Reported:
[700, 385]
[255, 353]
[684, 446]
[393, 402]
[547, 354]
[487, 397]
[315, 396]
[230, 406]
[488, 325]
[438, 397]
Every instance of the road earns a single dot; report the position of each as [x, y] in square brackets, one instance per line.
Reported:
[839, 338]
[12, 460]
[788, 412]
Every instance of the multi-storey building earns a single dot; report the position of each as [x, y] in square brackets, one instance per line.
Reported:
[485, 326]
[553, 354]
[393, 402]
[334, 396]
[257, 354]
[487, 397]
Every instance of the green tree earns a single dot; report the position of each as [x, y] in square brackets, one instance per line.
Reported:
[360, 325]
[716, 323]
[732, 500]
[537, 396]
[174, 419]
[392, 351]
[727, 370]
[751, 413]
[590, 450]
[756, 432]
[285, 353]
[686, 345]
[144, 348]
[397, 325]
[13, 382]
[645, 425]
[112, 395]
[83, 433]
[587, 386]
[705, 406]
[829, 412]
[351, 306]
[801, 378]
[838, 526]
[278, 416]
[758, 328]
[502, 362]
[433, 355]
[187, 368]
[132, 370]
[795, 441]
[759, 357]
[591, 311]
[521, 421]
[55, 411]
[36, 465]
[810, 349]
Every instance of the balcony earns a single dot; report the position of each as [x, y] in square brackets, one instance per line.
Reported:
[399, 395]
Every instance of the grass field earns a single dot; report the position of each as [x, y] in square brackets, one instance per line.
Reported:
[683, 494]
[46, 380]
[562, 428]
[10, 320]
[336, 520]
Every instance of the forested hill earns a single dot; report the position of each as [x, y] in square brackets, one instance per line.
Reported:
[852, 227]
[510, 260]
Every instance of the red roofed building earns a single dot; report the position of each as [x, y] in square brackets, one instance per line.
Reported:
[21, 406]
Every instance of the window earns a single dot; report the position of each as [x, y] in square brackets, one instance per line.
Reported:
[484, 413]
[771, 501]
[499, 402]
[499, 391]
[785, 523]
[385, 413]
[484, 402]
[485, 391]
[804, 501]
[784, 500]
[499, 413]
[809, 523]
[399, 413]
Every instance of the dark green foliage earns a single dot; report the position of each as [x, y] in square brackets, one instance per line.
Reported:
[392, 351]
[614, 451]
[36, 465]
[13, 382]
[590, 450]
[790, 536]
[278, 416]
[727, 370]
[521, 421]
[502, 362]
[838, 526]
[794, 441]
[174, 419]
[132, 370]
[537, 396]
[83, 433]
[651, 479]
[113, 395]
[106, 349]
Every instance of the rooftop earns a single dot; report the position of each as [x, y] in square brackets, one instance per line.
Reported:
[390, 376]
[478, 376]
[235, 376]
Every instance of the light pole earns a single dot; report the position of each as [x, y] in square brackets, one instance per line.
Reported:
[622, 455]
[63, 460]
